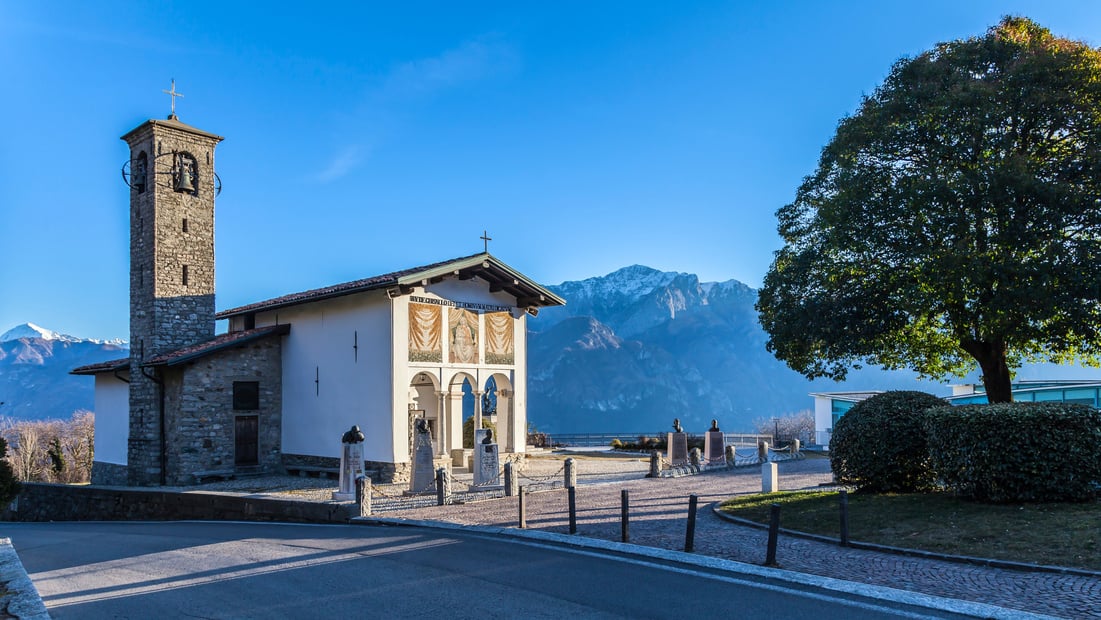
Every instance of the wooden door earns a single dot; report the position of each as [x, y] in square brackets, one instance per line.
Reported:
[247, 440]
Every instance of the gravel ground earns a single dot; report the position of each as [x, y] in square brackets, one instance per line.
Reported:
[658, 515]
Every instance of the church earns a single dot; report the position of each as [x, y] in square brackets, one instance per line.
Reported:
[292, 374]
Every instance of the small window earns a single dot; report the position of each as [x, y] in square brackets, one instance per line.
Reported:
[185, 275]
[185, 224]
[246, 395]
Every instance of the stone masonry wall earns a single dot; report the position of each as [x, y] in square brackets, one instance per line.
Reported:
[110, 474]
[200, 415]
[59, 502]
[168, 229]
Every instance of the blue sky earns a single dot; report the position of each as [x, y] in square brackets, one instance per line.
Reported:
[363, 138]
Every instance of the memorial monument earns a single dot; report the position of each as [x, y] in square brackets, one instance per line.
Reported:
[424, 470]
[714, 445]
[351, 464]
[677, 445]
[486, 462]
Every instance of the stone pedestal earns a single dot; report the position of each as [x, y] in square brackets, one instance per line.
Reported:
[460, 458]
[731, 456]
[486, 466]
[424, 470]
[770, 478]
[351, 466]
[677, 451]
[714, 448]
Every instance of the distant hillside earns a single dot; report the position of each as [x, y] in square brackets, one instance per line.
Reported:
[35, 383]
[638, 347]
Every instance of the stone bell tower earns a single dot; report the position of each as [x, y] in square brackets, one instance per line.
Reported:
[172, 188]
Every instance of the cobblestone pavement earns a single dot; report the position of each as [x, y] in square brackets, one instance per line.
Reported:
[658, 513]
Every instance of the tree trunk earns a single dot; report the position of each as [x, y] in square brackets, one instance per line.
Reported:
[996, 377]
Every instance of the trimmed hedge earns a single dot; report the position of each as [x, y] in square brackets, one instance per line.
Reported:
[1017, 452]
[879, 445]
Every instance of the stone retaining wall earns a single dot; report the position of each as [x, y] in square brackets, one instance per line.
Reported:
[59, 502]
[110, 474]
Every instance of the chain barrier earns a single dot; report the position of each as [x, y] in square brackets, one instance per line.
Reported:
[462, 492]
[552, 477]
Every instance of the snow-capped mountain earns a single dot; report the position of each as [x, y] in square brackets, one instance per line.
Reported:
[30, 330]
[35, 362]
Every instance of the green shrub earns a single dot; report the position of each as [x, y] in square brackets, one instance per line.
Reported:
[9, 485]
[879, 445]
[617, 444]
[1017, 452]
[468, 431]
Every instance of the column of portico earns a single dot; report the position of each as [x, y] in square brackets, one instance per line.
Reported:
[455, 413]
[444, 423]
[504, 405]
[477, 412]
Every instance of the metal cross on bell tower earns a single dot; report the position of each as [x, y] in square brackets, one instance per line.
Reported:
[172, 93]
[485, 241]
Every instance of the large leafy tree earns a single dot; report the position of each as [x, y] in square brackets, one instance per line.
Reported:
[953, 220]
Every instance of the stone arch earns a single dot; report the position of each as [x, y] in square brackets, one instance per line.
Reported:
[503, 398]
[450, 394]
[424, 400]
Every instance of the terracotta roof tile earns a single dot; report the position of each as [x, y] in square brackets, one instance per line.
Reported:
[108, 366]
[219, 343]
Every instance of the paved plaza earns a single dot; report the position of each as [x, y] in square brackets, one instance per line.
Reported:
[658, 515]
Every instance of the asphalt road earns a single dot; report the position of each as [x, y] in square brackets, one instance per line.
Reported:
[260, 570]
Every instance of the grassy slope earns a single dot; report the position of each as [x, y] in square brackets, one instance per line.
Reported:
[1055, 534]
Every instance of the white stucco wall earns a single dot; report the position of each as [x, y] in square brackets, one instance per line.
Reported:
[350, 388]
[374, 392]
[112, 409]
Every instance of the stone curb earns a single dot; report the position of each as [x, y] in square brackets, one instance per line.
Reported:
[918, 553]
[19, 597]
[916, 599]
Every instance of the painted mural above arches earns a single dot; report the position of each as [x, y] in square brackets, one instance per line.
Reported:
[425, 333]
[475, 333]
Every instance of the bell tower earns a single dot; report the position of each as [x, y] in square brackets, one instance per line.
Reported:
[172, 189]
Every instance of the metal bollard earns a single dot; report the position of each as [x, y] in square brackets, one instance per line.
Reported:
[510, 480]
[731, 456]
[695, 459]
[795, 446]
[624, 512]
[443, 486]
[655, 464]
[571, 474]
[523, 511]
[773, 534]
[363, 495]
[690, 533]
[571, 494]
[762, 451]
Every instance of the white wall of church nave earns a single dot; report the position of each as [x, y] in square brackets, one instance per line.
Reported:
[112, 405]
[336, 373]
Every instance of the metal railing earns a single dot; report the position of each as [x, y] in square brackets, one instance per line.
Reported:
[592, 440]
